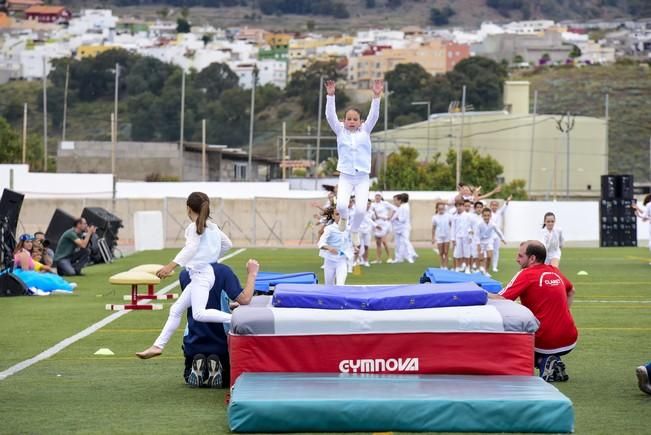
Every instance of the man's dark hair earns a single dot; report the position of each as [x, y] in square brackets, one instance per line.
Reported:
[78, 221]
[536, 249]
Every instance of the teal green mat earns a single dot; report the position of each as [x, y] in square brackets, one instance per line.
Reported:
[326, 402]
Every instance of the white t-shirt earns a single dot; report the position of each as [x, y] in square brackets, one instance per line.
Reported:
[443, 223]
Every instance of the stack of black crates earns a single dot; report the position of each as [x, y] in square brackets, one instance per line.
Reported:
[618, 223]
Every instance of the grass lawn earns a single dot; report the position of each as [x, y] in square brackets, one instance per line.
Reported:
[76, 391]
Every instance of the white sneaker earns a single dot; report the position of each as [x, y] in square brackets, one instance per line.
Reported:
[468, 271]
[495, 269]
[376, 262]
[366, 264]
[482, 270]
[342, 224]
[410, 260]
[486, 274]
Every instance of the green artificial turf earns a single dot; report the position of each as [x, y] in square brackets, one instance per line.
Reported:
[77, 391]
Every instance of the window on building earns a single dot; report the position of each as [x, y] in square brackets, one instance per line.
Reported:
[240, 171]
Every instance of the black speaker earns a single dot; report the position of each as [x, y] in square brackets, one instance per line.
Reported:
[625, 187]
[60, 223]
[10, 205]
[11, 285]
[107, 224]
[608, 187]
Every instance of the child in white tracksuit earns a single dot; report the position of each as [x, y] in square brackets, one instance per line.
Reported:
[354, 154]
[204, 244]
[335, 248]
[402, 229]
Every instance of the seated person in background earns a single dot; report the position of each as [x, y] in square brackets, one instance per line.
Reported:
[37, 257]
[205, 346]
[73, 252]
[48, 254]
[23, 252]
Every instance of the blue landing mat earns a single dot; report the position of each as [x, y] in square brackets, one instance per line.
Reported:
[436, 275]
[381, 297]
[321, 402]
[266, 282]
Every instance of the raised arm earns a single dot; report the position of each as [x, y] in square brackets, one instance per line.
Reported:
[374, 112]
[331, 111]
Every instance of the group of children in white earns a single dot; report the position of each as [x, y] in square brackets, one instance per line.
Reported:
[472, 230]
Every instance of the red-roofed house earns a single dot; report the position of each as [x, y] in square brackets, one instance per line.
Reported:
[48, 14]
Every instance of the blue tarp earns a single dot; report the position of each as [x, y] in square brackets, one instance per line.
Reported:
[329, 402]
[436, 275]
[266, 282]
[384, 297]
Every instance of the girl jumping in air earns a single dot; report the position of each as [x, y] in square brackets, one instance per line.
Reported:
[354, 154]
[204, 244]
[552, 238]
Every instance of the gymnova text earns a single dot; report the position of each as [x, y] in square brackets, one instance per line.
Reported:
[378, 365]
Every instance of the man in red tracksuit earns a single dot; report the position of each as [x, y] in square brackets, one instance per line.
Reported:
[548, 294]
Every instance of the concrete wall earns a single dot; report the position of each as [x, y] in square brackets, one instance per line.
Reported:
[289, 221]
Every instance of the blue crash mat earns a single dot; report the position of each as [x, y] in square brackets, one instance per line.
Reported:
[330, 402]
[385, 297]
[266, 282]
[436, 275]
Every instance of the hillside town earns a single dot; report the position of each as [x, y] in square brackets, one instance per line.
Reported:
[32, 34]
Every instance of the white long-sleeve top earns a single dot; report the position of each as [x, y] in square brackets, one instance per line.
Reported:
[337, 239]
[461, 226]
[498, 217]
[553, 240]
[200, 250]
[488, 230]
[402, 218]
[353, 147]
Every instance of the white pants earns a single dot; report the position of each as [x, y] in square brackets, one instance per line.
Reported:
[496, 252]
[336, 271]
[349, 184]
[404, 248]
[195, 295]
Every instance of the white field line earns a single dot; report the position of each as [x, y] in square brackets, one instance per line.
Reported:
[86, 332]
[590, 301]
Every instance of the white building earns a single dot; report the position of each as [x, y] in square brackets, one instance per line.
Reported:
[271, 72]
[592, 52]
[528, 27]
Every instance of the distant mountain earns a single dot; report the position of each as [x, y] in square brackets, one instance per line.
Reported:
[344, 14]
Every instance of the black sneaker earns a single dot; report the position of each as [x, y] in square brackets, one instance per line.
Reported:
[548, 368]
[215, 379]
[195, 379]
[643, 379]
[559, 372]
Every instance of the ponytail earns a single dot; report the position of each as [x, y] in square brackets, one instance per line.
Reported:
[204, 212]
[199, 203]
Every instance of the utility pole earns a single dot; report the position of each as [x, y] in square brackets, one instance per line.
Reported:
[249, 168]
[460, 143]
[24, 133]
[533, 139]
[115, 99]
[386, 135]
[284, 150]
[65, 103]
[607, 115]
[318, 136]
[182, 123]
[203, 149]
[566, 127]
[44, 114]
